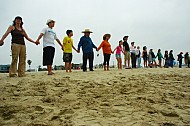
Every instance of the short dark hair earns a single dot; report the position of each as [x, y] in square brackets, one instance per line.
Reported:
[125, 37]
[68, 32]
[144, 47]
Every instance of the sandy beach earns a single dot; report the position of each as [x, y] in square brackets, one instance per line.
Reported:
[133, 97]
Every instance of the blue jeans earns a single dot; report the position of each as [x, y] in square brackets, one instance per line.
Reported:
[139, 62]
[171, 63]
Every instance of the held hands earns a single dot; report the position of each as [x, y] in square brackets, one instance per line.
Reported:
[37, 42]
[78, 51]
[1, 42]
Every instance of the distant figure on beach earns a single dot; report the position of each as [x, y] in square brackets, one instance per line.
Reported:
[166, 58]
[186, 58]
[138, 55]
[127, 55]
[150, 59]
[145, 56]
[180, 59]
[18, 47]
[48, 44]
[171, 58]
[118, 54]
[153, 58]
[160, 57]
[87, 48]
[106, 47]
[188, 61]
[67, 47]
[133, 54]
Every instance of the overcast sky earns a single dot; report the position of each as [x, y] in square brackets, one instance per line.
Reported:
[155, 23]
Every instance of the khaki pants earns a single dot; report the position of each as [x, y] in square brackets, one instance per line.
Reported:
[18, 51]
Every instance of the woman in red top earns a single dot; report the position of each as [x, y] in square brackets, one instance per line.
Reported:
[106, 47]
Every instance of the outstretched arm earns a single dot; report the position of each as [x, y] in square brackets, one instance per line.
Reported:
[6, 34]
[101, 45]
[59, 42]
[74, 48]
[79, 45]
[29, 39]
[39, 37]
[114, 50]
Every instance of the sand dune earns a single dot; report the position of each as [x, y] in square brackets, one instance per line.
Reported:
[136, 97]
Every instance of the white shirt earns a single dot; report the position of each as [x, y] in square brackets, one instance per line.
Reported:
[133, 50]
[49, 37]
[137, 51]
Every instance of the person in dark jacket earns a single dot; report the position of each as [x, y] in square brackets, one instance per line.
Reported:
[87, 48]
[166, 57]
[186, 58]
[127, 54]
[180, 57]
[171, 59]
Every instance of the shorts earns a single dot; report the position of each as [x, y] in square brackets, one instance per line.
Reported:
[118, 55]
[127, 56]
[48, 55]
[67, 57]
[145, 58]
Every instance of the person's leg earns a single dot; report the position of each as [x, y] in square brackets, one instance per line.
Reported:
[117, 62]
[15, 52]
[66, 66]
[49, 69]
[120, 63]
[139, 62]
[104, 63]
[51, 53]
[91, 59]
[108, 61]
[160, 63]
[132, 60]
[22, 61]
[172, 63]
[70, 66]
[128, 59]
[84, 61]
[125, 59]
[180, 64]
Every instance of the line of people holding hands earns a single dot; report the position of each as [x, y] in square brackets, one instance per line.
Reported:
[131, 53]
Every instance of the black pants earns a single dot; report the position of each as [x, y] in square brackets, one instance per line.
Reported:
[180, 63]
[133, 60]
[90, 57]
[106, 59]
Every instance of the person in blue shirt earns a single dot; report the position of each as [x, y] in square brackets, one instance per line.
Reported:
[87, 48]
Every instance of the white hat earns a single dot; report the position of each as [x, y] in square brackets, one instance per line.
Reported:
[87, 31]
[49, 20]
